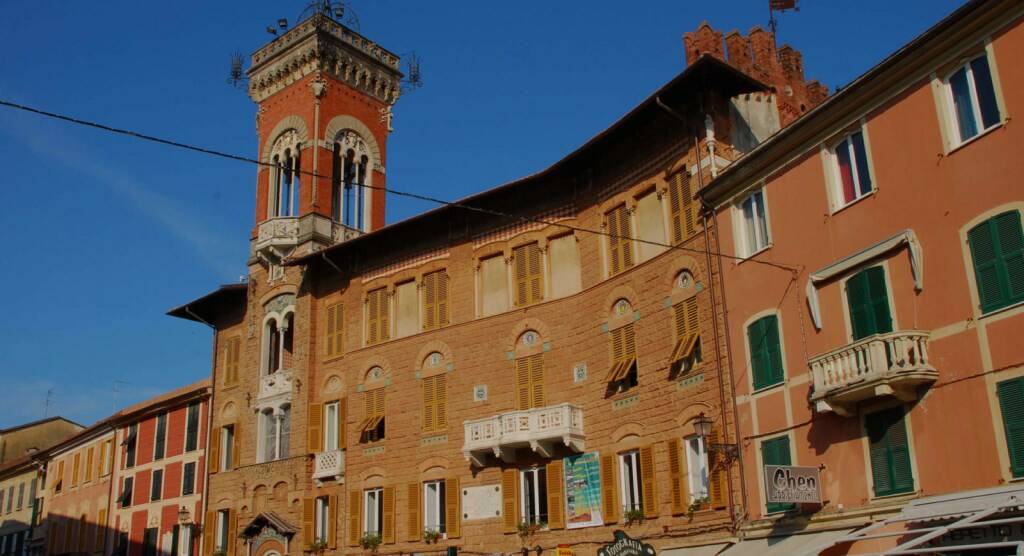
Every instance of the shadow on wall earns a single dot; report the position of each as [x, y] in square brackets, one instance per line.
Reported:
[66, 535]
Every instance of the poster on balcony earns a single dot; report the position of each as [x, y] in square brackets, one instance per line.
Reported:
[582, 491]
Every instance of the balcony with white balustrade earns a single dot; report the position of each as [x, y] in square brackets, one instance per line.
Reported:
[328, 466]
[539, 429]
[283, 236]
[890, 364]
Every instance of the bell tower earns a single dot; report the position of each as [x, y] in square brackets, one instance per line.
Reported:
[325, 94]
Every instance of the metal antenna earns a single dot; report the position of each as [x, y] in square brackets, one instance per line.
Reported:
[413, 75]
[46, 405]
[236, 74]
[116, 382]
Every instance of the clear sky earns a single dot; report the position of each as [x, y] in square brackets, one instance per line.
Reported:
[103, 234]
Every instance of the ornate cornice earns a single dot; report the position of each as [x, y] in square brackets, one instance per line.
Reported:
[321, 44]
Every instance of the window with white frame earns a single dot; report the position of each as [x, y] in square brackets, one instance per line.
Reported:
[227, 446]
[275, 434]
[284, 176]
[433, 506]
[851, 172]
[323, 516]
[533, 495]
[629, 475]
[351, 170]
[278, 343]
[373, 511]
[753, 225]
[971, 99]
[331, 426]
[221, 537]
[697, 468]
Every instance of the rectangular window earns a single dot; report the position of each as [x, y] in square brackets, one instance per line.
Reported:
[221, 540]
[106, 457]
[188, 478]
[997, 251]
[1011, 406]
[851, 171]
[972, 97]
[156, 489]
[373, 511]
[868, 299]
[88, 463]
[331, 426]
[630, 481]
[533, 495]
[76, 465]
[493, 285]
[530, 381]
[890, 452]
[650, 226]
[160, 442]
[335, 328]
[435, 300]
[192, 427]
[620, 246]
[622, 375]
[227, 447]
[10, 499]
[686, 352]
[323, 519]
[407, 309]
[126, 492]
[21, 496]
[529, 274]
[753, 230]
[765, 352]
[564, 256]
[776, 452]
[58, 481]
[682, 206]
[378, 314]
[232, 353]
[372, 428]
[130, 442]
[149, 541]
[434, 506]
[697, 468]
[435, 403]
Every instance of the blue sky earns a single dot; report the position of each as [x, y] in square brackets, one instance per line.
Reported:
[104, 233]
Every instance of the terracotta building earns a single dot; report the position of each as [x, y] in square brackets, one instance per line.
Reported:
[876, 308]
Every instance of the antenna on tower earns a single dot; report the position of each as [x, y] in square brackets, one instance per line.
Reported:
[779, 6]
[236, 74]
[413, 76]
[46, 405]
[338, 10]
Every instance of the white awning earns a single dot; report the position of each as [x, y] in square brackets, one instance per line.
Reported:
[906, 237]
[705, 550]
[802, 544]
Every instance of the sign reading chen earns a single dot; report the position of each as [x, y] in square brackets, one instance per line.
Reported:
[792, 484]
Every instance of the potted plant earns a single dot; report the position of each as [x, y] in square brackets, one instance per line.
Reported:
[318, 547]
[697, 505]
[633, 516]
[220, 553]
[370, 541]
[526, 530]
[431, 536]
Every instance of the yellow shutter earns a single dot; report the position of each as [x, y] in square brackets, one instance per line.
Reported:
[58, 485]
[536, 364]
[522, 383]
[333, 330]
[429, 301]
[442, 298]
[89, 454]
[650, 485]
[308, 521]
[534, 273]
[441, 401]
[315, 428]
[413, 514]
[332, 521]
[214, 450]
[232, 532]
[101, 462]
[231, 358]
[101, 531]
[377, 327]
[453, 508]
[77, 462]
[521, 275]
[342, 423]
[683, 206]
[676, 205]
[690, 205]
[677, 477]
[509, 501]
[384, 314]
[210, 533]
[378, 402]
[614, 246]
[687, 324]
[236, 446]
[716, 473]
[556, 511]
[429, 403]
[388, 524]
[354, 511]
[609, 492]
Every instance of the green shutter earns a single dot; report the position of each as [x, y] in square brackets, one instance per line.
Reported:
[776, 452]
[878, 296]
[868, 299]
[997, 250]
[889, 452]
[1011, 405]
[765, 352]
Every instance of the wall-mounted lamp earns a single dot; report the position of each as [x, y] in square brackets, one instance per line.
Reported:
[702, 427]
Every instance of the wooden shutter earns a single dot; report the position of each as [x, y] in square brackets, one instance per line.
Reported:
[521, 270]
[413, 513]
[315, 428]
[890, 452]
[232, 532]
[534, 273]
[776, 452]
[765, 352]
[623, 349]
[378, 316]
[388, 524]
[997, 250]
[89, 455]
[1011, 247]
[620, 250]
[384, 314]
[231, 359]
[687, 324]
[372, 310]
[101, 531]
[236, 446]
[101, 462]
[342, 423]
[334, 330]
[650, 485]
[717, 472]
[773, 346]
[354, 511]
[210, 529]
[75, 466]
[332, 521]
[609, 490]
[1011, 406]
[214, 450]
[509, 500]
[683, 206]
[523, 383]
[442, 401]
[536, 364]
[429, 301]
[556, 495]
[677, 477]
[868, 299]
[308, 521]
[429, 403]
[453, 508]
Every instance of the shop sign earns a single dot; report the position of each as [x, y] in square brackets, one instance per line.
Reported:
[625, 546]
[792, 484]
[982, 534]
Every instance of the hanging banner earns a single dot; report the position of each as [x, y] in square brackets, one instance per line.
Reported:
[582, 491]
[790, 483]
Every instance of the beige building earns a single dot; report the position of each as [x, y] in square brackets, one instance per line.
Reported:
[18, 486]
[21, 440]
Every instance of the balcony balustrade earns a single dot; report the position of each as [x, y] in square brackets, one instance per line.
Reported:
[538, 429]
[890, 364]
[329, 465]
[275, 385]
[284, 236]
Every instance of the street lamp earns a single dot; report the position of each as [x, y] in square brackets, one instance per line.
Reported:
[702, 425]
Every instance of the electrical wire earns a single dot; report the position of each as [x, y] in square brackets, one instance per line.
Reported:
[490, 212]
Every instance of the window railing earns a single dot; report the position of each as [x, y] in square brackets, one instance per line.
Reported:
[538, 429]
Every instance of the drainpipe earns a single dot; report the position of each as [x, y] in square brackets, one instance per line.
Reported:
[709, 135]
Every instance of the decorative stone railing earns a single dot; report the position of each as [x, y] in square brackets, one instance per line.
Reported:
[277, 233]
[538, 429]
[890, 364]
[275, 384]
[329, 465]
[292, 236]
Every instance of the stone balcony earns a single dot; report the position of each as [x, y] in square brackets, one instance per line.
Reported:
[538, 429]
[890, 364]
[329, 465]
[277, 238]
[275, 390]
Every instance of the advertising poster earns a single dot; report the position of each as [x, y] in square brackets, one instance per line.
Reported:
[582, 491]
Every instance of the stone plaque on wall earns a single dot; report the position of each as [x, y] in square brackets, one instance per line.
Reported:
[481, 502]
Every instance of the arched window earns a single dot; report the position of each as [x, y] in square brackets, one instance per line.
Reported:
[285, 176]
[275, 433]
[278, 333]
[351, 171]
